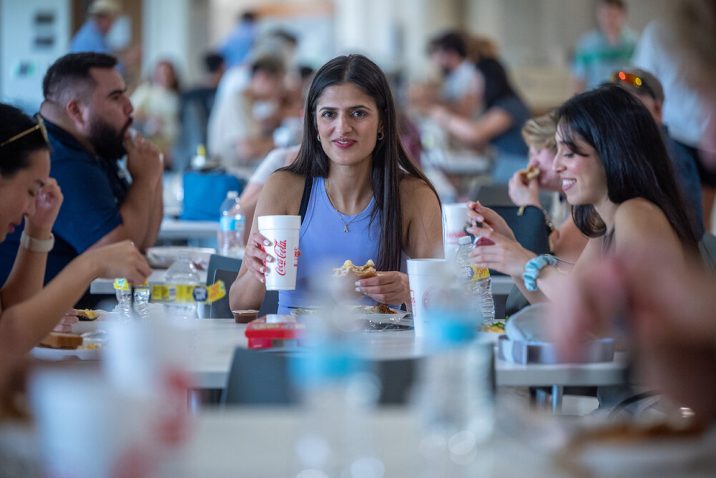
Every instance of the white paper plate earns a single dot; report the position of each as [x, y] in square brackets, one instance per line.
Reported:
[45, 353]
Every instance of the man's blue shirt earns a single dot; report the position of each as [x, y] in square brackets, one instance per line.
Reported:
[93, 190]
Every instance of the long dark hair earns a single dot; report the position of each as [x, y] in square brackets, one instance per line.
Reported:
[390, 161]
[630, 146]
[15, 156]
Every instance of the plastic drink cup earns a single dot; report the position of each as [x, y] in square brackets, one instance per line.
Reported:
[282, 231]
[426, 277]
[454, 220]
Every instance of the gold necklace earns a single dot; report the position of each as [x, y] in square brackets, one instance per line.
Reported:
[340, 214]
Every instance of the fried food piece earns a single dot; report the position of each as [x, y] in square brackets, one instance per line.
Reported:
[87, 314]
[348, 269]
[61, 340]
[530, 173]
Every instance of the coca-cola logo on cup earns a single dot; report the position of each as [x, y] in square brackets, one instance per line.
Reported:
[280, 250]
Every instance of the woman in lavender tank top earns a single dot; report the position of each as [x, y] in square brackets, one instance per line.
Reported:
[364, 198]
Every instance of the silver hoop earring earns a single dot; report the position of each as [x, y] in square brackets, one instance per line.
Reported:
[380, 136]
[318, 137]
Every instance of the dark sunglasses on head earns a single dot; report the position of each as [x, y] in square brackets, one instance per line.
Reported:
[40, 126]
[633, 80]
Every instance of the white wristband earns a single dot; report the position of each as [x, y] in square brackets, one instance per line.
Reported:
[37, 245]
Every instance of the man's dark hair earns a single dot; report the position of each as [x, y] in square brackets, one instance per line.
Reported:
[268, 64]
[614, 3]
[449, 41]
[72, 70]
[249, 16]
[213, 62]
[284, 35]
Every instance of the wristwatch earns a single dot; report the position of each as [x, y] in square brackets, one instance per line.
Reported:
[37, 245]
[533, 267]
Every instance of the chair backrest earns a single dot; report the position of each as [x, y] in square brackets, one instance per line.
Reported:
[225, 269]
[529, 226]
[270, 303]
[259, 378]
[707, 247]
[263, 378]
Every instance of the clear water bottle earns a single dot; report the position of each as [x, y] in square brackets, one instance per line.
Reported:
[454, 423]
[230, 237]
[181, 279]
[123, 293]
[338, 393]
[141, 300]
[477, 280]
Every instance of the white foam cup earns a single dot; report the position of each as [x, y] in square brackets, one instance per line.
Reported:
[454, 219]
[282, 231]
[425, 277]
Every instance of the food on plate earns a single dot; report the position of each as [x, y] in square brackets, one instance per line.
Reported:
[497, 327]
[348, 269]
[87, 314]
[529, 173]
[61, 340]
[374, 309]
[625, 433]
[245, 316]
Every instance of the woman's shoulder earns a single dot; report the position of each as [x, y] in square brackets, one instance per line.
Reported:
[284, 187]
[636, 208]
[414, 186]
[640, 216]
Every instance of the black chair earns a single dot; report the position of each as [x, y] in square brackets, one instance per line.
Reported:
[707, 247]
[263, 378]
[225, 269]
[259, 378]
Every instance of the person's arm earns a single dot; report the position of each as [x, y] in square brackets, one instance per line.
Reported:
[141, 211]
[28, 272]
[25, 323]
[156, 215]
[281, 195]
[422, 238]
[479, 132]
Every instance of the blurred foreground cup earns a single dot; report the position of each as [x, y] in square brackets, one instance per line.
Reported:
[425, 277]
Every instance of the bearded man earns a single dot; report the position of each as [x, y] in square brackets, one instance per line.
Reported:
[88, 116]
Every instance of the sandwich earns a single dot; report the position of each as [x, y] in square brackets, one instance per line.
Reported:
[529, 173]
[61, 340]
[87, 314]
[352, 271]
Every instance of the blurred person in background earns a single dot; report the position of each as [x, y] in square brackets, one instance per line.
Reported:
[156, 108]
[499, 124]
[241, 40]
[647, 88]
[605, 49]
[462, 86]
[566, 241]
[30, 197]
[242, 123]
[92, 37]
[88, 116]
[669, 306]
[363, 197]
[684, 110]
[195, 105]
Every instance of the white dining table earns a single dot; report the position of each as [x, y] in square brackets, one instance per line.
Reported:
[213, 342]
[261, 442]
